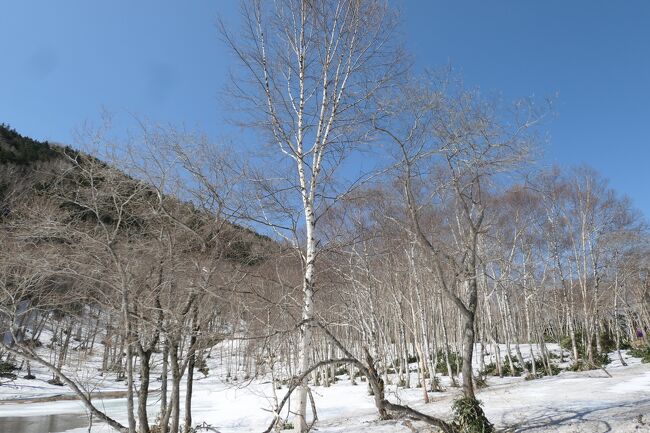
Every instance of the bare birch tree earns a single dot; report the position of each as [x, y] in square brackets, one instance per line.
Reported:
[309, 70]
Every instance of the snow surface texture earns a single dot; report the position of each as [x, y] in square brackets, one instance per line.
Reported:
[570, 402]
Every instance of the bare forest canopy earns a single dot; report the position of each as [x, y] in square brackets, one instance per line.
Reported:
[41, 173]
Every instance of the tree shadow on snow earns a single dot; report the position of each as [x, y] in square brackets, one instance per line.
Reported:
[596, 419]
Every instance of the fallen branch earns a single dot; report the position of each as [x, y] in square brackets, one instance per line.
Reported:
[297, 380]
[313, 409]
[374, 379]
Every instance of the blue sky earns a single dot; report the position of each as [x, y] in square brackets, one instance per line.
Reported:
[63, 61]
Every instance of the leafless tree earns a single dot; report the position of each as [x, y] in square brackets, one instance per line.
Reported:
[454, 145]
[308, 72]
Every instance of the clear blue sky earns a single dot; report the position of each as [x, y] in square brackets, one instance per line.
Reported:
[62, 61]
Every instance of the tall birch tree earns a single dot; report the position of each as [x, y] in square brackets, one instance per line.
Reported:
[309, 72]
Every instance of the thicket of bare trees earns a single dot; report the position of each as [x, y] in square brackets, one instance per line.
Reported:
[429, 270]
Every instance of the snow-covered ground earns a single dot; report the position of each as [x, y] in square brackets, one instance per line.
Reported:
[570, 402]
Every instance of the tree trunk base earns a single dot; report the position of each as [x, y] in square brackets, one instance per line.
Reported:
[469, 417]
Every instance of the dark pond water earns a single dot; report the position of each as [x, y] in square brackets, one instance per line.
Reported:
[61, 416]
[42, 423]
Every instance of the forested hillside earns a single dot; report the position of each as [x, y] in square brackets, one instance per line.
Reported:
[93, 259]
[16, 149]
